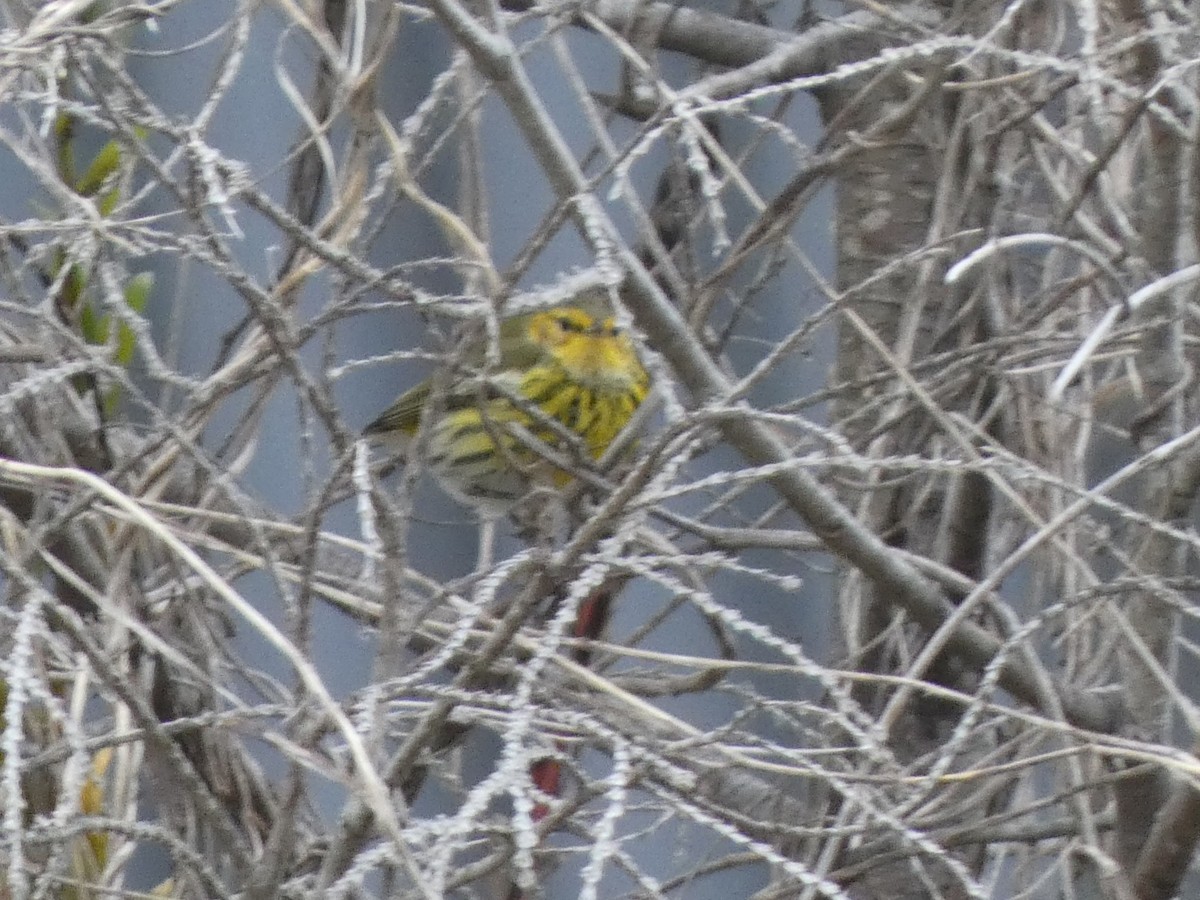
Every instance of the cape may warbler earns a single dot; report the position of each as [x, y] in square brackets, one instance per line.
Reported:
[563, 374]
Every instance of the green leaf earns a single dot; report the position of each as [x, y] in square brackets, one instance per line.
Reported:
[137, 295]
[107, 161]
[73, 288]
[64, 134]
[93, 326]
[109, 201]
[137, 291]
[110, 403]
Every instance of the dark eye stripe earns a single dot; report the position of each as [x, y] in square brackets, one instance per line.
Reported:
[566, 323]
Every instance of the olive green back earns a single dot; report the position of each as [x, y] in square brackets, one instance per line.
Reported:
[517, 352]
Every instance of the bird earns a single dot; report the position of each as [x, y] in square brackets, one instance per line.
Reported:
[568, 378]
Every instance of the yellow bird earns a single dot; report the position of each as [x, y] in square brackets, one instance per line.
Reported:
[564, 375]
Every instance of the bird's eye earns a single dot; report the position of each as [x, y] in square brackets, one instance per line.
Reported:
[566, 323]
